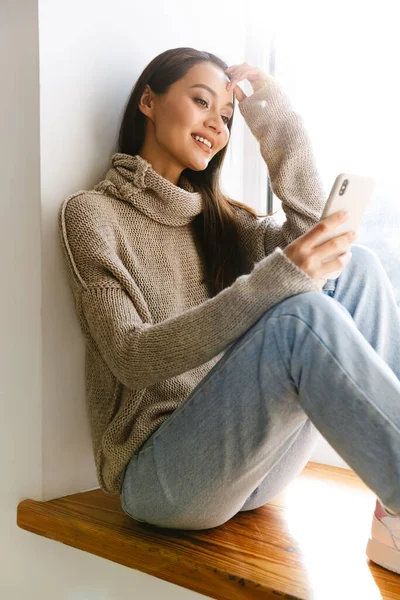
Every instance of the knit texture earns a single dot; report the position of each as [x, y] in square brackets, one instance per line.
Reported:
[152, 332]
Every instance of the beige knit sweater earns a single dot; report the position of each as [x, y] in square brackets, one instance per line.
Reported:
[152, 333]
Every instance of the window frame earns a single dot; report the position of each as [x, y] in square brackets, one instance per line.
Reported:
[256, 180]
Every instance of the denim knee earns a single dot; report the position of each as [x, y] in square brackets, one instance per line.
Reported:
[364, 259]
[293, 303]
[308, 305]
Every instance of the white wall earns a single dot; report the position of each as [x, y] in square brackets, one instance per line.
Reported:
[89, 60]
[66, 71]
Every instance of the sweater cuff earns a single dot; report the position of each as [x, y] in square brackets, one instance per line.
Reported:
[296, 270]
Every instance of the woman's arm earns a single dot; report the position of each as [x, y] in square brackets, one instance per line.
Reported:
[287, 151]
[114, 315]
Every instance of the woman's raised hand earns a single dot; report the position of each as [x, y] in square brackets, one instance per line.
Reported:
[307, 251]
[309, 256]
[254, 75]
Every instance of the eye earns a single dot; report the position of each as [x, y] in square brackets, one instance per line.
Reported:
[201, 100]
[227, 119]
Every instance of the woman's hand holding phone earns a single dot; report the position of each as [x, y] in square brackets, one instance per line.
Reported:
[313, 258]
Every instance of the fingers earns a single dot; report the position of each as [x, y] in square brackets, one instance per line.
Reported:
[239, 76]
[327, 225]
[254, 75]
[239, 93]
[237, 73]
[332, 266]
[327, 257]
[243, 67]
[336, 246]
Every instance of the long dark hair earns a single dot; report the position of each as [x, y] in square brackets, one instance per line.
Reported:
[215, 227]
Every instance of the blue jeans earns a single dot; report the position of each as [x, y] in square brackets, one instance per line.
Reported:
[314, 364]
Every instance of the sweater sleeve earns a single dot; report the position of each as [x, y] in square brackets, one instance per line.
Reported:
[287, 151]
[142, 354]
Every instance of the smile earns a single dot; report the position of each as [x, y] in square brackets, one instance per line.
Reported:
[203, 146]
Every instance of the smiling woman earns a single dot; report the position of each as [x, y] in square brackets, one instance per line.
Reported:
[207, 332]
[178, 114]
[182, 94]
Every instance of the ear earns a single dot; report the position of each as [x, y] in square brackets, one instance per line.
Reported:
[146, 103]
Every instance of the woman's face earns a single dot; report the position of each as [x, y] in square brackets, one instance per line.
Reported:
[184, 111]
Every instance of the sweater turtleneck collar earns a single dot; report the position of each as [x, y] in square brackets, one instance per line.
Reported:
[134, 180]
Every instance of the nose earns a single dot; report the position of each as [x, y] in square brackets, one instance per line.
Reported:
[215, 122]
[215, 127]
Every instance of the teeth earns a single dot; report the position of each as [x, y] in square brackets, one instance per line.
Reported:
[206, 142]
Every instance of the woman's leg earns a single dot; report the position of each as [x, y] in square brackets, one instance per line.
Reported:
[304, 359]
[364, 289]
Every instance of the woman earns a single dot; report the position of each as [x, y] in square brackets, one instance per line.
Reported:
[218, 349]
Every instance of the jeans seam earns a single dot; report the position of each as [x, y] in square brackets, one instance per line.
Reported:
[297, 433]
[341, 368]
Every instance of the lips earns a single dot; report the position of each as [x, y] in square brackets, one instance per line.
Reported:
[202, 146]
[206, 137]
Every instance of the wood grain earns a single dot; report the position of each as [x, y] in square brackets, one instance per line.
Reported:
[309, 542]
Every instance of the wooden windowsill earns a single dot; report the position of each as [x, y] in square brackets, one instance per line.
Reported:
[307, 543]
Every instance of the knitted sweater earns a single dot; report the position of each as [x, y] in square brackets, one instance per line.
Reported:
[152, 332]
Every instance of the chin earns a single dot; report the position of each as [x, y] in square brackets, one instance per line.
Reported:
[196, 165]
[200, 164]
[199, 168]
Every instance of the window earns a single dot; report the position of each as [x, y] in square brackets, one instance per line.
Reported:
[339, 66]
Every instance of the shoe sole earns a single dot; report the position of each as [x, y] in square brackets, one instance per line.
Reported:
[383, 555]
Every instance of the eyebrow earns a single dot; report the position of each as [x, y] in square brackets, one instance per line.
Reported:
[203, 85]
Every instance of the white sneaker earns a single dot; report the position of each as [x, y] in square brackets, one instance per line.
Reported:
[383, 545]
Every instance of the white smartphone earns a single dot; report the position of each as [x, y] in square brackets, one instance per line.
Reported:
[349, 192]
